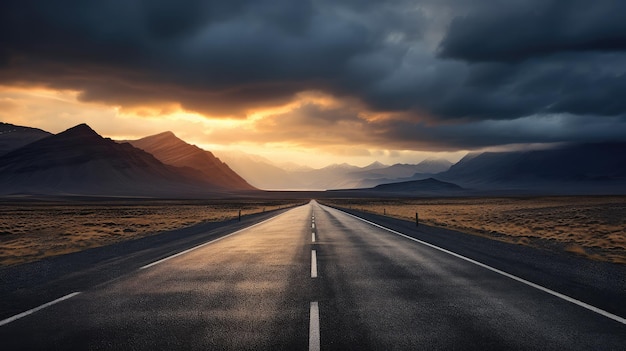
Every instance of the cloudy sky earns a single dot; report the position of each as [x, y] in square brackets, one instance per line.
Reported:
[321, 81]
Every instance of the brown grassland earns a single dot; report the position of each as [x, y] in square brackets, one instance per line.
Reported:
[30, 231]
[594, 227]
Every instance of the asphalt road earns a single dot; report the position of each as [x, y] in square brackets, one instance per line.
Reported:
[312, 278]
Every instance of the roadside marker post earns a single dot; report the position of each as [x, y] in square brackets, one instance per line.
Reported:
[417, 220]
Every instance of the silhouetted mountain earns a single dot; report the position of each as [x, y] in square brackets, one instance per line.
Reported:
[78, 161]
[13, 137]
[572, 169]
[171, 150]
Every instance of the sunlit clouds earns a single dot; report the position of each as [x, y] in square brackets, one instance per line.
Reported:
[322, 81]
[291, 132]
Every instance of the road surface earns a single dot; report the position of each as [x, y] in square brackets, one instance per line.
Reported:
[314, 278]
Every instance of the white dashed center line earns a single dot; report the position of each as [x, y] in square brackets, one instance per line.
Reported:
[314, 324]
[314, 327]
[313, 264]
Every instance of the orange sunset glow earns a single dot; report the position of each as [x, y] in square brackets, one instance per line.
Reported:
[259, 132]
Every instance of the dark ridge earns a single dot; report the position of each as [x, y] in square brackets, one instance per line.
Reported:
[171, 150]
[81, 162]
[430, 184]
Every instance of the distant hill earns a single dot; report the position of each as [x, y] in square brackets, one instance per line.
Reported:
[78, 161]
[171, 150]
[424, 187]
[571, 169]
[372, 182]
[430, 185]
[14, 137]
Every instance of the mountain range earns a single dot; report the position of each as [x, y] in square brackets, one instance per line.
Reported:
[598, 168]
[574, 169]
[78, 161]
[265, 174]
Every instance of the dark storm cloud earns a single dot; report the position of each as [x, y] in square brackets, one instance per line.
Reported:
[571, 83]
[489, 133]
[460, 73]
[520, 30]
[206, 55]
[319, 126]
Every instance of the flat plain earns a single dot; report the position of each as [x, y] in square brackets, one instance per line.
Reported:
[32, 230]
[592, 226]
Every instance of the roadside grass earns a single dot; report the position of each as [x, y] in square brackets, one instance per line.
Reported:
[34, 230]
[594, 227]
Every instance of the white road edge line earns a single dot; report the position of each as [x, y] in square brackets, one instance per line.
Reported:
[313, 237]
[313, 264]
[314, 327]
[508, 275]
[207, 243]
[31, 311]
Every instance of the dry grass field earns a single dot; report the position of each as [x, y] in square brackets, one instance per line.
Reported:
[591, 226]
[32, 230]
